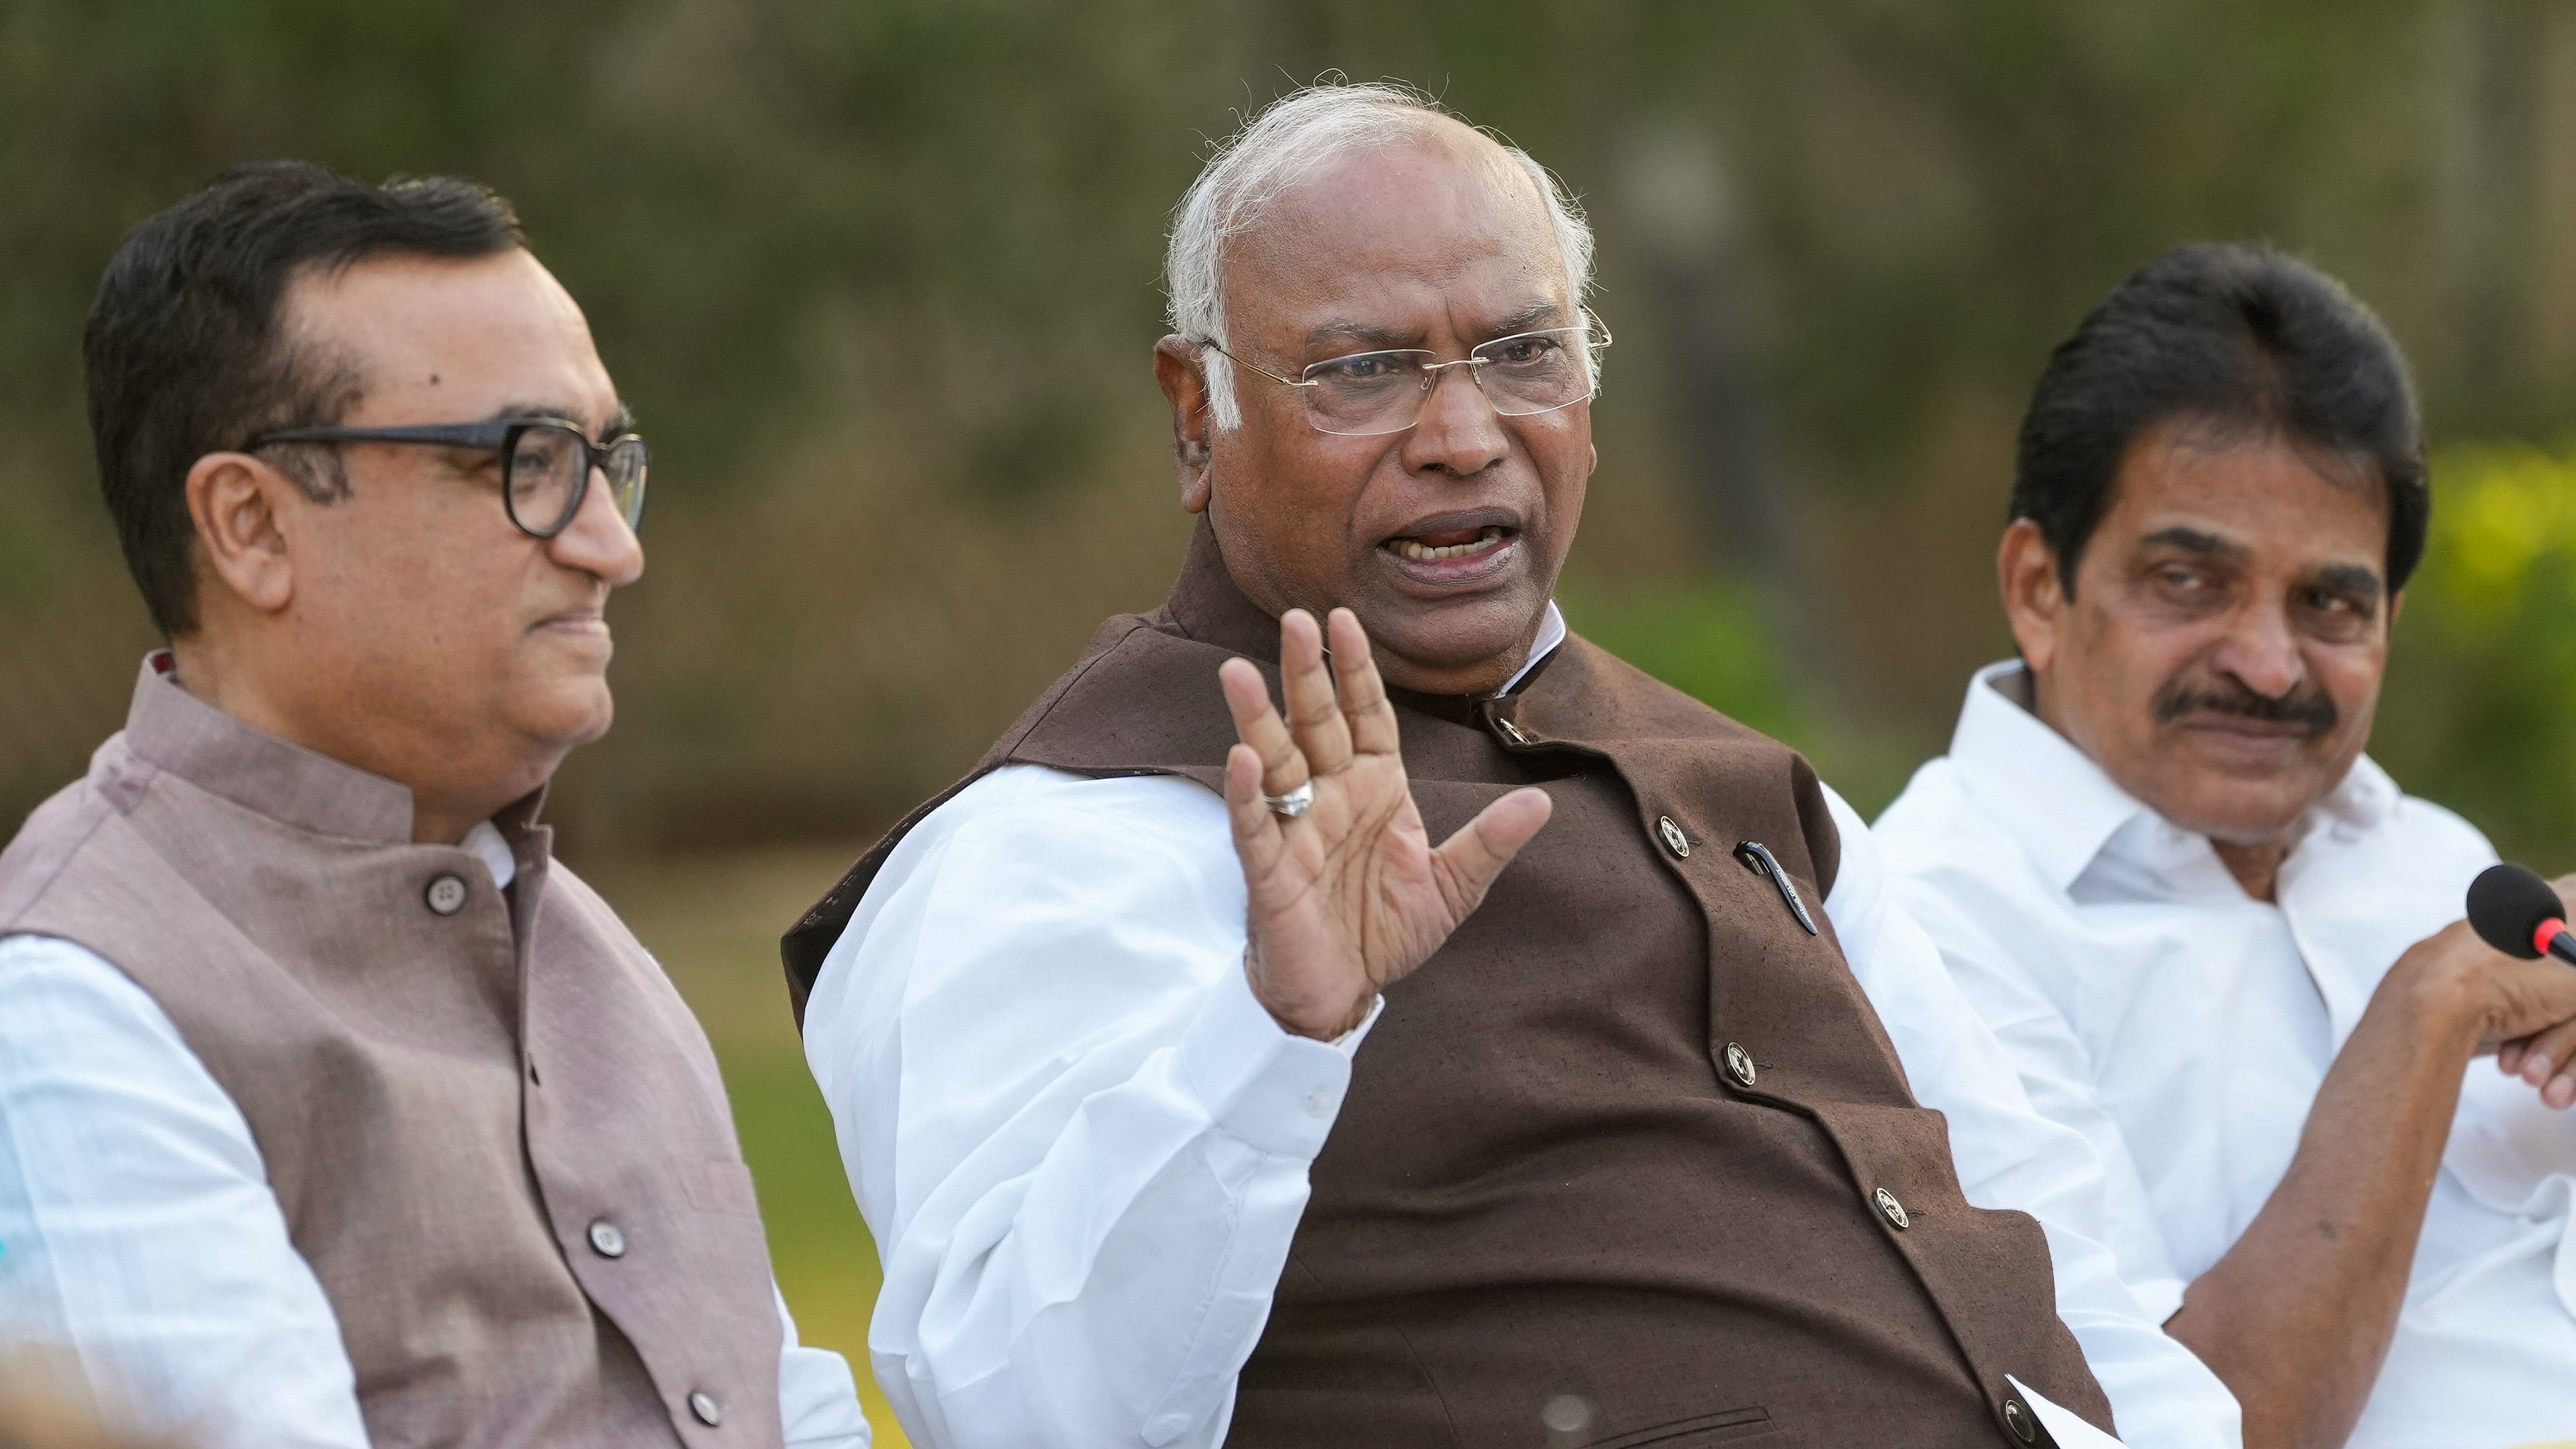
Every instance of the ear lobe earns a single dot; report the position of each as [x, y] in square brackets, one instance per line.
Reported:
[1185, 389]
[235, 500]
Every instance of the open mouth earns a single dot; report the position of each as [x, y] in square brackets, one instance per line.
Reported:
[1444, 545]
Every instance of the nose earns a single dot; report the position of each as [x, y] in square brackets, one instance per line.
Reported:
[1459, 433]
[597, 541]
[2262, 650]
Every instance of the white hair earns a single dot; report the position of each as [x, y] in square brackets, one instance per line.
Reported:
[1281, 146]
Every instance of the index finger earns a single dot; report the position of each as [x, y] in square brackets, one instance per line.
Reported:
[1256, 723]
[1361, 692]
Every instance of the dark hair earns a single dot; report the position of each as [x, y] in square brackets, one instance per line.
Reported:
[186, 356]
[2242, 337]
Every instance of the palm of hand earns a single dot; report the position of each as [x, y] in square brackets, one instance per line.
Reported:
[1348, 897]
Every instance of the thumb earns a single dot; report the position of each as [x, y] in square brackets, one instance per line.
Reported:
[1470, 859]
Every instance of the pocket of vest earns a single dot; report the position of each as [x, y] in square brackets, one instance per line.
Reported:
[1720, 1428]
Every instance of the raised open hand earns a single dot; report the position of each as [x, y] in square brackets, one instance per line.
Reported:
[1350, 895]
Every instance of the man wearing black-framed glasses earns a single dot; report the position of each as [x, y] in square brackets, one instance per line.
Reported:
[339, 1112]
[546, 462]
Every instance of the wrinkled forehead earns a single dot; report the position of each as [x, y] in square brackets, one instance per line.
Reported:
[1436, 230]
[2263, 489]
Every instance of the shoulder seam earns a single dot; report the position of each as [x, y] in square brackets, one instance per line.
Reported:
[1019, 734]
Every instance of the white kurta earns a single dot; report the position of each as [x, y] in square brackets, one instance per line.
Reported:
[2185, 1028]
[1083, 1144]
[138, 1232]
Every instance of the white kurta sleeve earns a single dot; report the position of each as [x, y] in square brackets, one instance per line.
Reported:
[1082, 1144]
[138, 1233]
[2010, 1156]
[818, 1401]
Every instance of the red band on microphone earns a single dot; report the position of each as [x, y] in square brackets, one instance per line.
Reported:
[2548, 932]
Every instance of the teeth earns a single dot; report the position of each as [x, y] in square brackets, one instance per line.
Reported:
[1424, 553]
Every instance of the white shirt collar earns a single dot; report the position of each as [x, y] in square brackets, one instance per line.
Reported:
[1551, 633]
[2061, 805]
[485, 841]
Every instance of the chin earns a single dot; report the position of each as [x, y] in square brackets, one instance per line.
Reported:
[1453, 634]
[569, 714]
[2237, 815]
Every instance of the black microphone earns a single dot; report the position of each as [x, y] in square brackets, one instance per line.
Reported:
[2514, 910]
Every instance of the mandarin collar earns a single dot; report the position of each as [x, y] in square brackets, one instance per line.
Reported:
[1209, 606]
[2065, 809]
[176, 731]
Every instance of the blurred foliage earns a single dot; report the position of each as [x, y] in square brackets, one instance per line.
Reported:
[1705, 638]
[880, 279]
[2481, 711]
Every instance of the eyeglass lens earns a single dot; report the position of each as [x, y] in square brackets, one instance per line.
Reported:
[1383, 392]
[547, 466]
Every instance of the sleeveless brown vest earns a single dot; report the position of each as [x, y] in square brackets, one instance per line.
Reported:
[1625, 1137]
[497, 1133]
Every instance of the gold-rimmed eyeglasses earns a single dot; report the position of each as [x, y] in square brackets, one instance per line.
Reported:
[1368, 393]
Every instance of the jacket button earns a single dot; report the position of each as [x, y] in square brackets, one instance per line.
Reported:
[1673, 837]
[446, 894]
[1893, 1211]
[2019, 1420]
[1740, 1062]
[607, 1239]
[704, 1406]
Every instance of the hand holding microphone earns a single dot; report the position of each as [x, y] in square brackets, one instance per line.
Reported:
[2518, 913]
[2515, 911]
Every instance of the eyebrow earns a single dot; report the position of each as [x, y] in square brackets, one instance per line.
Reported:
[622, 421]
[1526, 318]
[1363, 333]
[2351, 578]
[2193, 540]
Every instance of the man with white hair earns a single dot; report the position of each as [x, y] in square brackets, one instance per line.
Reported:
[1195, 1096]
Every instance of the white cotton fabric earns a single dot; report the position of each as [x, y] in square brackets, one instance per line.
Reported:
[2185, 1028]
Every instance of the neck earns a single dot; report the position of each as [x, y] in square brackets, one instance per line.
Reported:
[2256, 867]
[441, 812]
[1481, 679]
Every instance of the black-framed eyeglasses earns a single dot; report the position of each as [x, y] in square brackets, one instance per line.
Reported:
[1369, 393]
[546, 463]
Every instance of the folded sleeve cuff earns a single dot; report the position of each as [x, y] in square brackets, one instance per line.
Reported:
[1260, 1082]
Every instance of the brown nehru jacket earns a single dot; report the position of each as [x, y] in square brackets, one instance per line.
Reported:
[497, 1133]
[1634, 1133]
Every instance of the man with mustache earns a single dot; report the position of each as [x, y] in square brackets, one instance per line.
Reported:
[333, 1110]
[1194, 1096]
[2216, 938]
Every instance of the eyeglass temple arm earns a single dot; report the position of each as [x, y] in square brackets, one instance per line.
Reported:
[1219, 348]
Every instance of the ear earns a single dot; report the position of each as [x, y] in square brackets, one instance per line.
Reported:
[2396, 606]
[237, 501]
[1184, 383]
[2034, 594]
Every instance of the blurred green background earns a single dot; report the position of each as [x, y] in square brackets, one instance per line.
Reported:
[880, 279]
